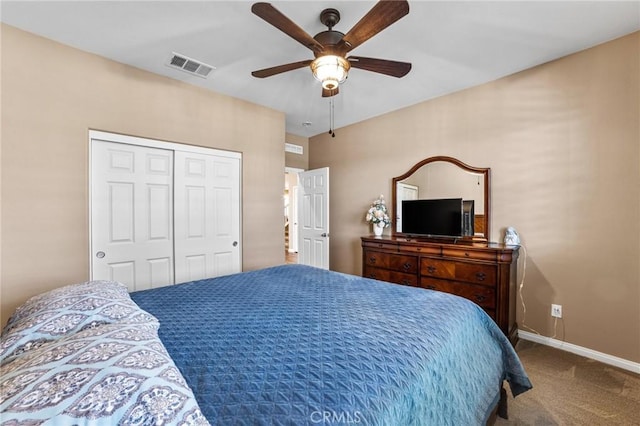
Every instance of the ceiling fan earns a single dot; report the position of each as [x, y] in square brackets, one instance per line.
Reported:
[331, 65]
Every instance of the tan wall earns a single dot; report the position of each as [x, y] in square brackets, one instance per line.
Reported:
[563, 144]
[297, 161]
[51, 96]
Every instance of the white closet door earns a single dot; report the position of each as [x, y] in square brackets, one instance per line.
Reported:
[132, 214]
[207, 216]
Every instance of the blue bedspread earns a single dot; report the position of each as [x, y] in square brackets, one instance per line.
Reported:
[293, 345]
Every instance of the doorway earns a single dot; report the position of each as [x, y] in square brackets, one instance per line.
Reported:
[290, 198]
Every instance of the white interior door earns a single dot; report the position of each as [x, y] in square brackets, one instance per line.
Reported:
[293, 225]
[313, 219]
[132, 214]
[207, 216]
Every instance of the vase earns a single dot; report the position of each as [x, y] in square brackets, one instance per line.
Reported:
[377, 230]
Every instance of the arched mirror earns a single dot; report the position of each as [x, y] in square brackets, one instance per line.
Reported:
[433, 184]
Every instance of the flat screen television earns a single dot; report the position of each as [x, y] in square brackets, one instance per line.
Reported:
[434, 218]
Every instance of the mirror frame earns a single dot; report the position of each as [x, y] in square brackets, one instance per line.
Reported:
[485, 171]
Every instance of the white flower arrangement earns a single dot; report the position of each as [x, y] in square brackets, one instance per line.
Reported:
[377, 213]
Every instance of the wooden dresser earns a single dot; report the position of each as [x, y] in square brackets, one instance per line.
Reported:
[484, 273]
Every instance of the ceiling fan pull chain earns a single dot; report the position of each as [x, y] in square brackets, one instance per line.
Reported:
[330, 123]
[330, 129]
[331, 118]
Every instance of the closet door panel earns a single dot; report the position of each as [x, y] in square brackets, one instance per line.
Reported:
[226, 184]
[160, 201]
[124, 272]
[162, 213]
[195, 268]
[195, 212]
[121, 215]
[132, 214]
[207, 198]
[160, 271]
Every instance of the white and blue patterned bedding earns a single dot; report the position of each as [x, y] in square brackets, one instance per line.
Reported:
[66, 310]
[86, 354]
[298, 345]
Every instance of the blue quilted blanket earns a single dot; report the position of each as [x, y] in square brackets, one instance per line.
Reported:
[293, 345]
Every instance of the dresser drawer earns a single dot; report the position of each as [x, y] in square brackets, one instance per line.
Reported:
[383, 245]
[481, 295]
[466, 253]
[423, 250]
[437, 268]
[395, 262]
[390, 276]
[477, 273]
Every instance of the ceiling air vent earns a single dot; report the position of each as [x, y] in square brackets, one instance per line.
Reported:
[189, 65]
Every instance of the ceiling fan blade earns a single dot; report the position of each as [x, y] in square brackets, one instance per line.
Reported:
[382, 66]
[274, 17]
[268, 72]
[383, 14]
[327, 93]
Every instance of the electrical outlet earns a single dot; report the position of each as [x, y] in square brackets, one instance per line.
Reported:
[556, 311]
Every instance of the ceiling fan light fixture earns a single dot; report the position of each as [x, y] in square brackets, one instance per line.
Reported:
[330, 70]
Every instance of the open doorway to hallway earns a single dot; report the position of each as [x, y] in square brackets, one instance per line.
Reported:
[290, 214]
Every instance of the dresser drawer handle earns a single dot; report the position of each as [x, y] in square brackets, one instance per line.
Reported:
[480, 276]
[372, 259]
[372, 275]
[466, 254]
[406, 282]
[431, 269]
[406, 266]
[430, 287]
[480, 297]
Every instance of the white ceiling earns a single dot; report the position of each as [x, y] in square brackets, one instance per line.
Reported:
[452, 45]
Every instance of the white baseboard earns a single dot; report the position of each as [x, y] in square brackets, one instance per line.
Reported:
[625, 364]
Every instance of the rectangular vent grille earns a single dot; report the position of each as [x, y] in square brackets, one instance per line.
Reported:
[295, 149]
[189, 65]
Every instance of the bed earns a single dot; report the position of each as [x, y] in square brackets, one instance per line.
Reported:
[284, 345]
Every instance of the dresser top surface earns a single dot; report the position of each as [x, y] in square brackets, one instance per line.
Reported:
[448, 242]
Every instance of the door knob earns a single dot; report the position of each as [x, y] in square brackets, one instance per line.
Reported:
[324, 235]
[100, 254]
[235, 243]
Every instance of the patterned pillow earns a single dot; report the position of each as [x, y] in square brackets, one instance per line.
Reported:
[58, 297]
[111, 374]
[66, 310]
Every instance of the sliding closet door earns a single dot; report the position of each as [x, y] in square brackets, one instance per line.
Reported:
[132, 214]
[162, 213]
[207, 215]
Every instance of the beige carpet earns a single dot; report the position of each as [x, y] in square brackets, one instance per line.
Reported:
[572, 390]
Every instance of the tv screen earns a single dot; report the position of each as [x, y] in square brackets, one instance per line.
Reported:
[436, 217]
